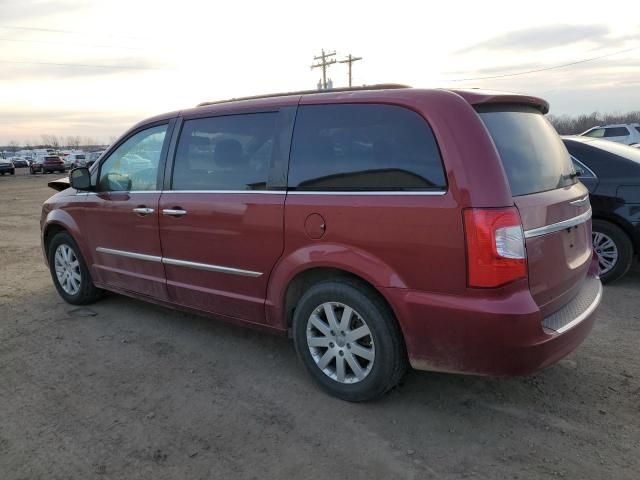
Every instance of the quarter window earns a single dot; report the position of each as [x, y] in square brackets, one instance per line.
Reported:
[616, 132]
[363, 147]
[134, 164]
[231, 152]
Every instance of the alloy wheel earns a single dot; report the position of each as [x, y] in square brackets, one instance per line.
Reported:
[67, 267]
[340, 342]
[607, 252]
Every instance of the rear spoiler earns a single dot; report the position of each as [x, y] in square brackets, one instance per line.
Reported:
[59, 184]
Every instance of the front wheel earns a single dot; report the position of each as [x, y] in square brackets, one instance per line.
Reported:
[348, 340]
[613, 248]
[69, 271]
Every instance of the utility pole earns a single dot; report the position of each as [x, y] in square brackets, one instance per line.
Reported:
[324, 63]
[350, 61]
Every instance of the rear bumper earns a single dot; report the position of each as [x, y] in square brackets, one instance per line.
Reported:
[499, 334]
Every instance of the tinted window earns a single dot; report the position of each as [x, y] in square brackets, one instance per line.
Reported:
[225, 153]
[638, 129]
[363, 148]
[616, 132]
[79, 157]
[134, 164]
[532, 153]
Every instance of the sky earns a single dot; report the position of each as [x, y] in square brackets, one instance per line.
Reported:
[94, 68]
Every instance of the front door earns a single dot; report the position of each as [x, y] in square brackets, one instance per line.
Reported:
[122, 218]
[221, 229]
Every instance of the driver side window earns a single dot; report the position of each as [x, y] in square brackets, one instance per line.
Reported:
[134, 164]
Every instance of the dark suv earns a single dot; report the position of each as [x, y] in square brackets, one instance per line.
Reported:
[380, 227]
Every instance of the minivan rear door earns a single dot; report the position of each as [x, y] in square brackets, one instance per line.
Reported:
[553, 205]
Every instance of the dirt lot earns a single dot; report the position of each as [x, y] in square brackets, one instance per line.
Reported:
[138, 391]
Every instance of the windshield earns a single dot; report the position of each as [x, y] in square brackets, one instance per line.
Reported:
[533, 155]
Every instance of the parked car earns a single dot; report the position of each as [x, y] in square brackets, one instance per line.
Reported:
[77, 160]
[6, 166]
[381, 229]
[627, 133]
[48, 164]
[92, 157]
[19, 162]
[611, 172]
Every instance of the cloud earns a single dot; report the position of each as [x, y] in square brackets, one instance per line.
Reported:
[30, 124]
[540, 38]
[13, 70]
[602, 65]
[18, 10]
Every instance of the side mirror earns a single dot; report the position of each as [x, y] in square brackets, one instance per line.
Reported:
[80, 178]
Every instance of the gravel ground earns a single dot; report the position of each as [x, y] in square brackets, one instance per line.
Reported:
[128, 390]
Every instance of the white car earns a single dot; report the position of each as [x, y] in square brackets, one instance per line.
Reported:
[627, 133]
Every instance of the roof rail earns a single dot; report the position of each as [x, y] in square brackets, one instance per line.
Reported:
[379, 86]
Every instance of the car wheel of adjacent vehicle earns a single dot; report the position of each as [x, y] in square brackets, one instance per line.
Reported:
[348, 340]
[69, 271]
[613, 248]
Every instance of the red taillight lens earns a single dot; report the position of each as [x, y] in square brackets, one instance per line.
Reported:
[495, 246]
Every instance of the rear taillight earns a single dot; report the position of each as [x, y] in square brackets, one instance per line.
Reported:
[495, 246]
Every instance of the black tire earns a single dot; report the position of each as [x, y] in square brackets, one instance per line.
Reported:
[622, 244]
[13, 172]
[389, 363]
[87, 293]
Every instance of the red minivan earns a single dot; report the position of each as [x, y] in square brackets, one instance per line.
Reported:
[380, 227]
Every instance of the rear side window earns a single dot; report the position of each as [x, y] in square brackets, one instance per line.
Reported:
[638, 129]
[363, 147]
[230, 152]
[533, 155]
[616, 132]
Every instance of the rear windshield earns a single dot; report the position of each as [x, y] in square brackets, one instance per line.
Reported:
[52, 158]
[532, 153]
[79, 157]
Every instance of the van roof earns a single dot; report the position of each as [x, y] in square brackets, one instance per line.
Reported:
[385, 93]
[473, 96]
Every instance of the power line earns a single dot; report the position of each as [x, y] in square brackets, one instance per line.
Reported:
[81, 65]
[555, 67]
[69, 32]
[93, 45]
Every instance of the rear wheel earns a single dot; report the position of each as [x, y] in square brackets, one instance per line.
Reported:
[613, 248]
[348, 340]
[69, 271]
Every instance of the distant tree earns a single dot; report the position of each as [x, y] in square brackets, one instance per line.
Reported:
[73, 141]
[573, 125]
[50, 140]
[13, 145]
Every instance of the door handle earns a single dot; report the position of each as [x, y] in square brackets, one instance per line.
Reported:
[174, 212]
[143, 210]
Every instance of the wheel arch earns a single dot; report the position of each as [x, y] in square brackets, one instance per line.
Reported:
[294, 274]
[60, 221]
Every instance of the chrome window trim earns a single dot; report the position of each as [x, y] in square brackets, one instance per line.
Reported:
[123, 253]
[269, 192]
[376, 192]
[283, 192]
[179, 263]
[555, 227]
[210, 267]
[584, 314]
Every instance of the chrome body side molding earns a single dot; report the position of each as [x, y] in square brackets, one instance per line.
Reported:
[179, 263]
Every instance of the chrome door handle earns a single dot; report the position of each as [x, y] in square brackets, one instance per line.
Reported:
[143, 210]
[174, 212]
